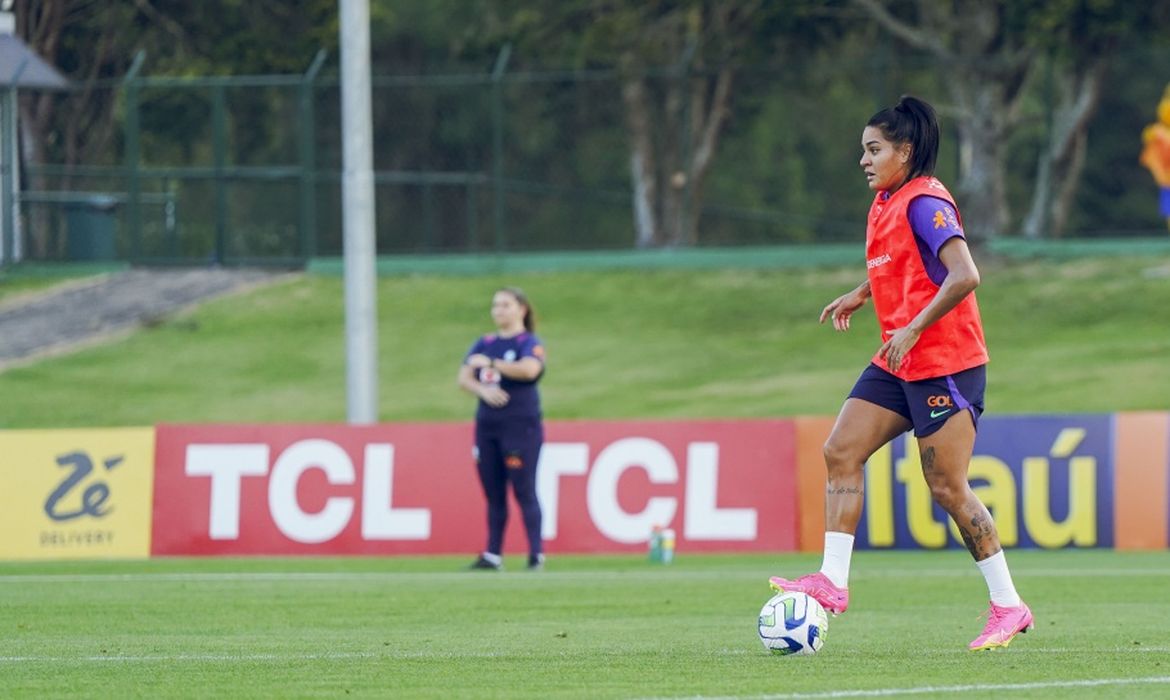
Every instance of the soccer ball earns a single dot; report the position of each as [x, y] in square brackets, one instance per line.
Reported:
[793, 624]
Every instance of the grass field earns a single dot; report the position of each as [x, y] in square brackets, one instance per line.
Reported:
[1078, 336]
[587, 627]
[13, 286]
[1083, 336]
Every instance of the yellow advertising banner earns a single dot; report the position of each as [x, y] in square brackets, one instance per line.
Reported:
[76, 494]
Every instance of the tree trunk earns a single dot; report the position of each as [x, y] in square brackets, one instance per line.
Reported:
[672, 136]
[1069, 177]
[36, 220]
[1058, 171]
[981, 169]
[643, 175]
[705, 141]
[668, 184]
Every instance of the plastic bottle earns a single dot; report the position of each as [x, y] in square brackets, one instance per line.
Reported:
[656, 542]
[667, 546]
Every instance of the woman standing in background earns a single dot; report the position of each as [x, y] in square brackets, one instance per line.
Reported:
[502, 369]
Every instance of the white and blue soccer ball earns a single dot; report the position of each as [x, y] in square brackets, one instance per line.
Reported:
[793, 624]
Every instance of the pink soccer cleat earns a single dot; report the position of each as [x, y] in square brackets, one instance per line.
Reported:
[1003, 624]
[818, 587]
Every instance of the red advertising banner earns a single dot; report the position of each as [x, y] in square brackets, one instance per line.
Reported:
[412, 488]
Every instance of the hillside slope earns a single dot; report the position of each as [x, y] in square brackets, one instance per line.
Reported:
[1081, 336]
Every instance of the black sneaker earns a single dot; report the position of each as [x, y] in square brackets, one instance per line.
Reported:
[536, 562]
[482, 564]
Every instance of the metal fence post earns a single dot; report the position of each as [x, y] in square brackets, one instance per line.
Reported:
[308, 157]
[470, 192]
[684, 75]
[8, 208]
[219, 148]
[133, 155]
[428, 202]
[498, 143]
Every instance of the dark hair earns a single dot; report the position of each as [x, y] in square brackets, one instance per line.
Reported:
[911, 121]
[522, 299]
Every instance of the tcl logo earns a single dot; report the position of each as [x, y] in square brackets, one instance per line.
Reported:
[703, 519]
[228, 465]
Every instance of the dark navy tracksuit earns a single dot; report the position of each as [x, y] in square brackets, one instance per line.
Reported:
[508, 440]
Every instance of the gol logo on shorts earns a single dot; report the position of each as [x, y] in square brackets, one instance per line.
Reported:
[513, 462]
[942, 401]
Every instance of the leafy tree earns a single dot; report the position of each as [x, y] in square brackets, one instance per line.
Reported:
[678, 62]
[992, 53]
[1081, 40]
[85, 41]
[94, 41]
[723, 121]
[94, 44]
[987, 66]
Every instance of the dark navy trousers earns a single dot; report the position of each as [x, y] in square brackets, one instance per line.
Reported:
[507, 452]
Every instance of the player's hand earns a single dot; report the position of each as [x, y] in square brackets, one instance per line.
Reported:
[895, 349]
[493, 396]
[478, 361]
[841, 308]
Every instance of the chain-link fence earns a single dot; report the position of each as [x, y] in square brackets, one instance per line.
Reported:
[246, 169]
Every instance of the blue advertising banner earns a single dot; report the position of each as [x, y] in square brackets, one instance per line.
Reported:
[1047, 480]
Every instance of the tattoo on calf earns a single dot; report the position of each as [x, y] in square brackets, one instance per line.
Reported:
[839, 490]
[928, 460]
[970, 543]
[979, 536]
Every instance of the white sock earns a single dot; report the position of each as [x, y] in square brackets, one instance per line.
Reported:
[838, 552]
[999, 580]
[493, 558]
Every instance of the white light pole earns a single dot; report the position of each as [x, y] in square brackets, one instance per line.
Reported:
[357, 185]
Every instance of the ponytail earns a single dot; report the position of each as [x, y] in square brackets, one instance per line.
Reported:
[911, 121]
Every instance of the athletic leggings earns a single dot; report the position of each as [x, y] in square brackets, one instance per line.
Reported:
[507, 453]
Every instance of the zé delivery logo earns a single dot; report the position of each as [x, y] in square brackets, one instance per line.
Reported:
[75, 494]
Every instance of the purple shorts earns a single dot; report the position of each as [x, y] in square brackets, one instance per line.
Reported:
[927, 403]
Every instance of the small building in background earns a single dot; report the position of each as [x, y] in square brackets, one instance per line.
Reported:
[20, 67]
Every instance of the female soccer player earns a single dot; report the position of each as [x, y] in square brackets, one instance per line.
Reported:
[502, 369]
[929, 373]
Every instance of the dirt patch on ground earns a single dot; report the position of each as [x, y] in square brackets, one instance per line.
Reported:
[97, 309]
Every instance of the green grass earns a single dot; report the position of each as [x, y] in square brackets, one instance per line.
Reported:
[587, 627]
[1088, 335]
[1078, 336]
[14, 286]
